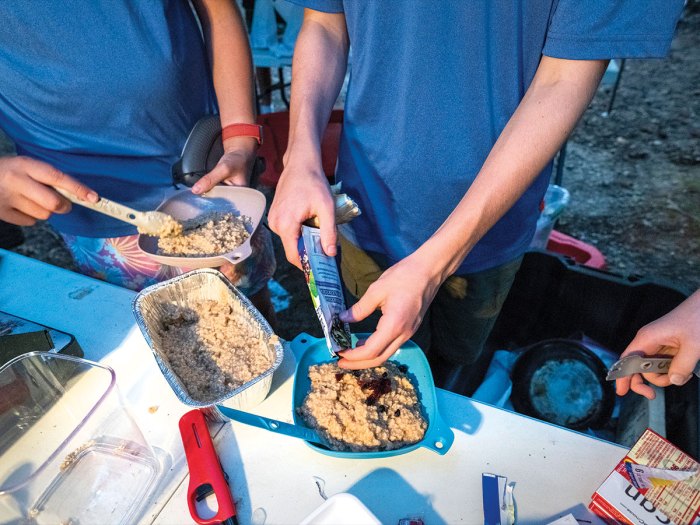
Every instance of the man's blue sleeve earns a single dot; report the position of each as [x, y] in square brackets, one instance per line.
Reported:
[327, 6]
[604, 29]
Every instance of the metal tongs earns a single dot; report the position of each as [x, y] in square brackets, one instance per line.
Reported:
[641, 364]
[147, 222]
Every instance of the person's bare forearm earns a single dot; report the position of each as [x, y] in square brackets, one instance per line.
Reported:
[232, 71]
[559, 94]
[318, 70]
[231, 62]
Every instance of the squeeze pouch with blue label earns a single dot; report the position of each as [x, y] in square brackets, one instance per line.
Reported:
[323, 279]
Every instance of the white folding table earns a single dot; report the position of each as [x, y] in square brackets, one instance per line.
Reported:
[279, 479]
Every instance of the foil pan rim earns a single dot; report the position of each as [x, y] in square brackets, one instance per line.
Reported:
[167, 371]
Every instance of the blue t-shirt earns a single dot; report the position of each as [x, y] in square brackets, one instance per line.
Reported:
[432, 86]
[106, 91]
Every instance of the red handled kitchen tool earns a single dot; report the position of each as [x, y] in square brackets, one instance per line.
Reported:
[206, 473]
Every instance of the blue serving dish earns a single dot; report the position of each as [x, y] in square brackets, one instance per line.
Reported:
[310, 351]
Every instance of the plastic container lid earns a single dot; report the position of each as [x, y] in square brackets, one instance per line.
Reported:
[341, 509]
[69, 450]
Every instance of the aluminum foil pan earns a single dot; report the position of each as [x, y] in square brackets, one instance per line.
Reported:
[205, 284]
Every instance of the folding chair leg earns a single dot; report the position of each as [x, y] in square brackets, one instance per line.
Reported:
[614, 89]
[561, 159]
[283, 86]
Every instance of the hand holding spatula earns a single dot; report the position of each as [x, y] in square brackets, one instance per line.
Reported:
[148, 222]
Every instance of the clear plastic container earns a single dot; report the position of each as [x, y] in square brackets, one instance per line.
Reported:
[555, 201]
[69, 450]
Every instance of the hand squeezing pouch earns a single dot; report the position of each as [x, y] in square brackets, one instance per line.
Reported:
[322, 277]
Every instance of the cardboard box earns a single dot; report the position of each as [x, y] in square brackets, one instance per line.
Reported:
[619, 501]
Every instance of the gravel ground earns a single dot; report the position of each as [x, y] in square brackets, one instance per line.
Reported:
[634, 179]
[634, 176]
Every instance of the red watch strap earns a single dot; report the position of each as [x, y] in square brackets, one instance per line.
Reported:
[242, 130]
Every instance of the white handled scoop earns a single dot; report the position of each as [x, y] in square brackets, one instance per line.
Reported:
[154, 223]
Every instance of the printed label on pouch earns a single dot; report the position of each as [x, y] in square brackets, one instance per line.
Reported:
[323, 280]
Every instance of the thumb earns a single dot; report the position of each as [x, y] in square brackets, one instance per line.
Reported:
[211, 179]
[682, 366]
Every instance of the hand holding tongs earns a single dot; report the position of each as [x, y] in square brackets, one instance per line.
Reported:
[642, 364]
[148, 222]
[206, 474]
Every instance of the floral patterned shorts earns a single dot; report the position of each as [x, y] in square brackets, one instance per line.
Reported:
[119, 261]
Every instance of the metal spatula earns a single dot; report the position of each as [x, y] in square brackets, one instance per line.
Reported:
[147, 222]
[642, 364]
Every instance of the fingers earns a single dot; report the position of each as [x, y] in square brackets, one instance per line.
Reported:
[361, 309]
[642, 344]
[232, 169]
[654, 338]
[403, 303]
[657, 379]
[34, 201]
[236, 181]
[288, 226]
[377, 349]
[286, 222]
[290, 243]
[210, 180]
[37, 211]
[675, 334]
[16, 217]
[682, 366]
[47, 174]
[302, 193]
[221, 173]
[637, 385]
[230, 272]
[329, 236]
[622, 385]
[43, 199]
[28, 190]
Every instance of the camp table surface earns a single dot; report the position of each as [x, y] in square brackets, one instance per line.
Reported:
[278, 479]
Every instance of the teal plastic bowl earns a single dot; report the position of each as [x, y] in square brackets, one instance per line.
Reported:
[310, 351]
[438, 436]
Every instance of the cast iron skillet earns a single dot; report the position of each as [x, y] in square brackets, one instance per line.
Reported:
[553, 352]
[310, 351]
